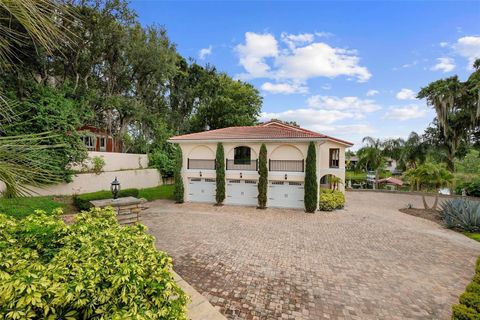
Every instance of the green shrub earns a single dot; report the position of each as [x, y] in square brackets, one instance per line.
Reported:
[469, 306]
[179, 190]
[472, 188]
[331, 200]
[263, 177]
[461, 213]
[220, 174]
[311, 184]
[82, 201]
[93, 269]
[98, 163]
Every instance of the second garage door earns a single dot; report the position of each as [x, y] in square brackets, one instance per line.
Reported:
[241, 192]
[201, 190]
[285, 194]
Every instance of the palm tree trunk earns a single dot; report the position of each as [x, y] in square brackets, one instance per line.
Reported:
[434, 207]
[425, 202]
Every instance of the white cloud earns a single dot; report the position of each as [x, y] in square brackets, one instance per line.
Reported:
[372, 92]
[203, 53]
[308, 117]
[323, 34]
[468, 47]
[294, 40]
[303, 59]
[408, 112]
[284, 88]
[444, 64]
[443, 44]
[352, 104]
[406, 94]
[254, 52]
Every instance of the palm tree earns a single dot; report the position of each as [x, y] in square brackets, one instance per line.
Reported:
[429, 176]
[22, 158]
[372, 156]
[414, 150]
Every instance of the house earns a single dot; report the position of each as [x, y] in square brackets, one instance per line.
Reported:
[390, 164]
[97, 139]
[286, 153]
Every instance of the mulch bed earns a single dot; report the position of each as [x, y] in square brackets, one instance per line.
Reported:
[432, 215]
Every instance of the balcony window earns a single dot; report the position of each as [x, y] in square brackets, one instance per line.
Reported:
[89, 142]
[242, 155]
[334, 158]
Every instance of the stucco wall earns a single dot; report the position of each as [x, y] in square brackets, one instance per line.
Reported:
[90, 182]
[116, 161]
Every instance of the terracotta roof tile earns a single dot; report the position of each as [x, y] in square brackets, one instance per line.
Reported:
[269, 131]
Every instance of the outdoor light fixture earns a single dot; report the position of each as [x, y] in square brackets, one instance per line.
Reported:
[115, 188]
[240, 175]
[285, 176]
[200, 174]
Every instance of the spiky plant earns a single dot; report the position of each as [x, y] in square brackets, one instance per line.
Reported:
[220, 170]
[263, 177]
[461, 213]
[311, 184]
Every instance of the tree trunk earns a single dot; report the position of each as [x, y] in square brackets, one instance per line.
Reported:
[377, 177]
[434, 207]
[425, 202]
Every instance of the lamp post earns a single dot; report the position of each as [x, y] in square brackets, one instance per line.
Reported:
[115, 188]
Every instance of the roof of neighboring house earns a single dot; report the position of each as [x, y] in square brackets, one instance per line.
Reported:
[391, 180]
[272, 130]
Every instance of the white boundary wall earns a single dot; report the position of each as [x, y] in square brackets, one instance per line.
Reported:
[90, 182]
[116, 161]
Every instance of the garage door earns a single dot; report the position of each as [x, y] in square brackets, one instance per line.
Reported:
[201, 190]
[242, 192]
[285, 194]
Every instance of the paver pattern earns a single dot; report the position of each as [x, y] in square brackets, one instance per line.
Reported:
[368, 261]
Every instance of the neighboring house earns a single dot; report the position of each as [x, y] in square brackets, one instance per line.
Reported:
[390, 164]
[286, 153]
[97, 139]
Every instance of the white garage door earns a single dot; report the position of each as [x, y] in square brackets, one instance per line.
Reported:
[243, 192]
[286, 194]
[201, 190]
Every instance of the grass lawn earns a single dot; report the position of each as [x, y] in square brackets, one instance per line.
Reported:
[160, 192]
[352, 175]
[22, 207]
[473, 235]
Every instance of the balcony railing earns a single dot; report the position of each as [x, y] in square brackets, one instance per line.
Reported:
[206, 164]
[286, 165]
[249, 165]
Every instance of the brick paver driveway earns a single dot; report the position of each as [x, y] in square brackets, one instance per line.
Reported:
[369, 261]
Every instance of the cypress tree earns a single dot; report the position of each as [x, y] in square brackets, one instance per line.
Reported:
[178, 192]
[311, 186]
[220, 169]
[263, 179]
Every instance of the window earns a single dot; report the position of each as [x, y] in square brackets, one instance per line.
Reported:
[89, 142]
[242, 155]
[334, 158]
[103, 143]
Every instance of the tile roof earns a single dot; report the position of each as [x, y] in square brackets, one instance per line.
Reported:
[266, 131]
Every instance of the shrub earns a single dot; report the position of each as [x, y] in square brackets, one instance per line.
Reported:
[179, 190]
[469, 302]
[82, 201]
[331, 200]
[461, 213]
[311, 185]
[263, 177]
[220, 174]
[472, 188]
[98, 163]
[93, 269]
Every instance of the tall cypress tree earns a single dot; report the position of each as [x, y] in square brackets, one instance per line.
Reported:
[311, 186]
[177, 174]
[263, 179]
[220, 168]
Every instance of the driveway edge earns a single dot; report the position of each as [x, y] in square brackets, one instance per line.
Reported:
[199, 308]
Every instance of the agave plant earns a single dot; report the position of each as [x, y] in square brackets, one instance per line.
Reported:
[461, 213]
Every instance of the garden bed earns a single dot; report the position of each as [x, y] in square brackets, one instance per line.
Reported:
[432, 215]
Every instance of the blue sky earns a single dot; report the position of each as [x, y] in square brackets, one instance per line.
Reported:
[346, 69]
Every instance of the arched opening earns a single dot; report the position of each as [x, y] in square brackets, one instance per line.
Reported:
[330, 181]
[242, 155]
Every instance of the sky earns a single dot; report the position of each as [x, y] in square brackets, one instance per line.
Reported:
[346, 68]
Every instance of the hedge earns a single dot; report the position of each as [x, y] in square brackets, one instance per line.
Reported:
[469, 306]
[82, 201]
[93, 269]
[331, 200]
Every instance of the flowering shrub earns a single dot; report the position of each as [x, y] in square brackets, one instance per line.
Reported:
[331, 200]
[94, 269]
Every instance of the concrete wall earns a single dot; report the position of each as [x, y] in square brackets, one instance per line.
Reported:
[116, 161]
[90, 182]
